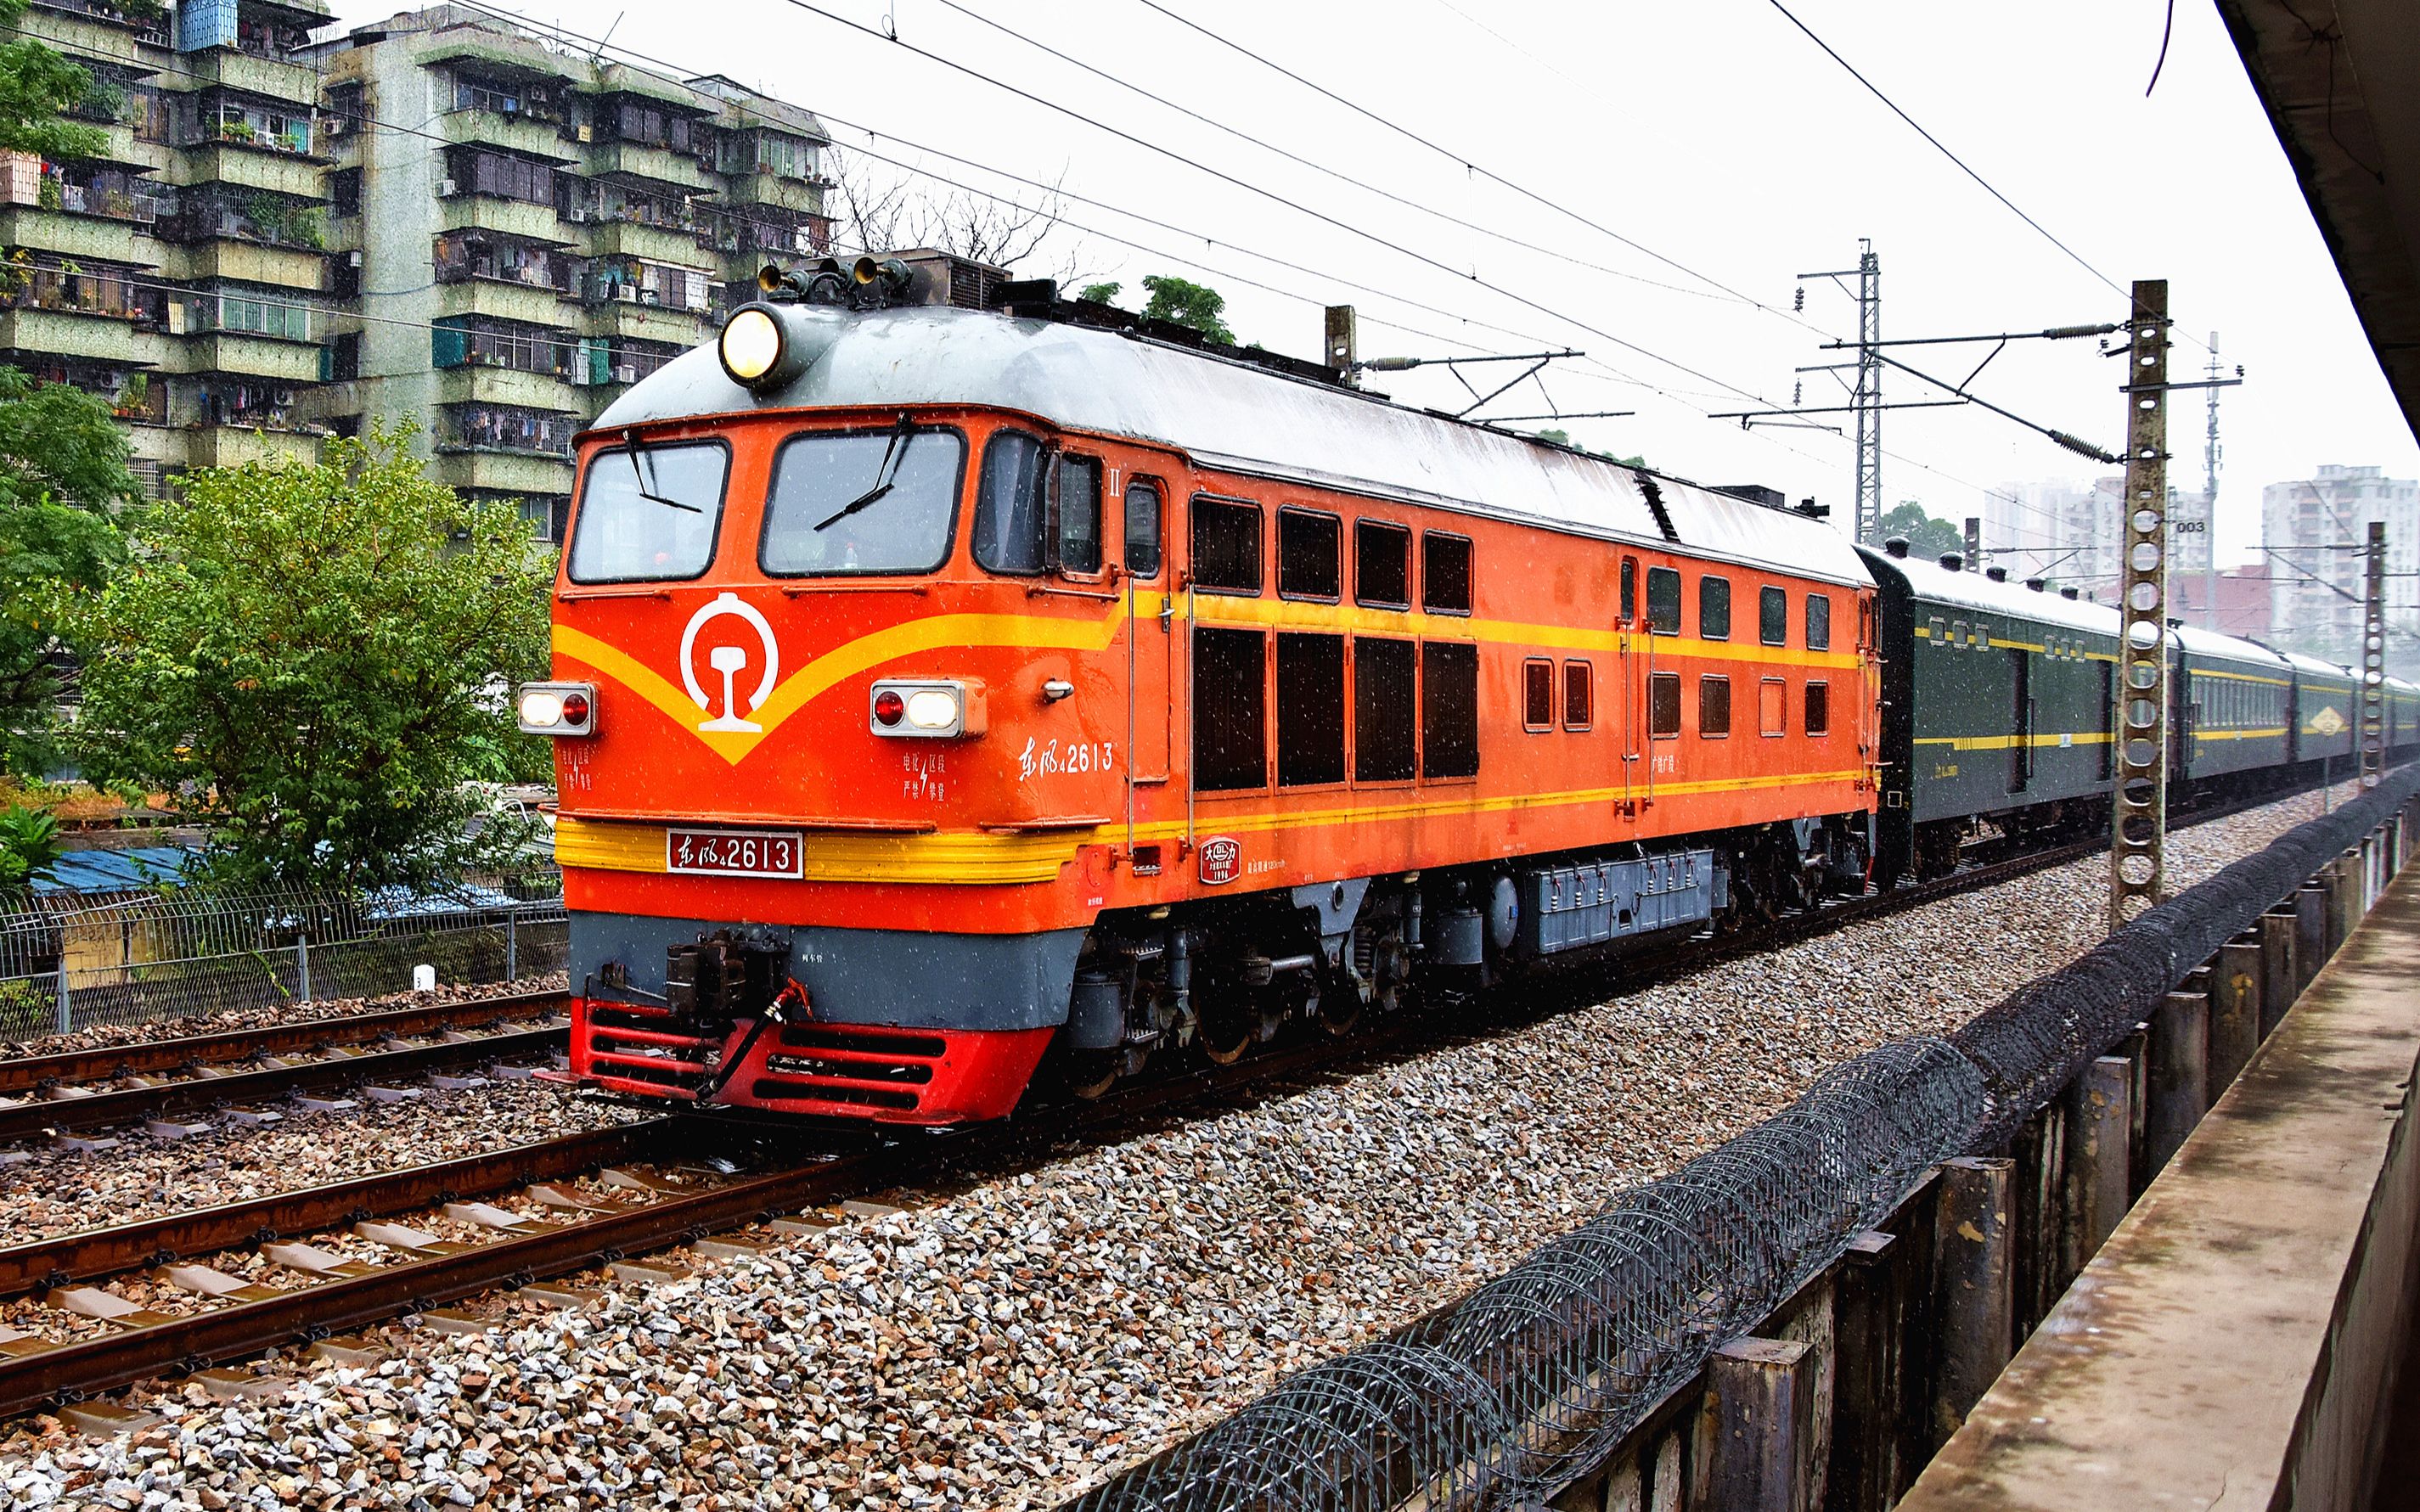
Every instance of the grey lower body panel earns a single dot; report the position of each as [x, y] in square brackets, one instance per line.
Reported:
[903, 979]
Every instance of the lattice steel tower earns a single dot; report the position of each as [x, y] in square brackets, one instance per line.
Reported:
[1868, 397]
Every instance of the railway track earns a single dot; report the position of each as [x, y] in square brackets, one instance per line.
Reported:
[729, 1178]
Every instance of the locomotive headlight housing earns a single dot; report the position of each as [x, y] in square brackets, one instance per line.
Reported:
[926, 708]
[555, 709]
[752, 344]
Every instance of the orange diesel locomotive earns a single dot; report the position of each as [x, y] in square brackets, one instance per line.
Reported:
[938, 686]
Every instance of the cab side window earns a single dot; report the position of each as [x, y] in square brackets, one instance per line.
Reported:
[1142, 529]
[1010, 507]
[1079, 515]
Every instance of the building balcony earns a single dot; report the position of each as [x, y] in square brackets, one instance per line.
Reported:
[652, 167]
[82, 29]
[800, 196]
[248, 262]
[651, 243]
[245, 355]
[471, 384]
[533, 304]
[100, 338]
[623, 319]
[236, 445]
[250, 167]
[101, 238]
[295, 84]
[465, 211]
[516, 133]
[496, 471]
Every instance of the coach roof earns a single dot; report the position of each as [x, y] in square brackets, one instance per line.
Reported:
[1233, 416]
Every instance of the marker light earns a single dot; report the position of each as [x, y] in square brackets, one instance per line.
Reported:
[930, 709]
[751, 346]
[555, 709]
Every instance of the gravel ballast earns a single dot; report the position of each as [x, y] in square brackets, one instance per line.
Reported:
[1010, 1342]
[112, 1036]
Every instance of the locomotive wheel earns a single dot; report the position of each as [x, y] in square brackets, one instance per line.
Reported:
[1340, 1021]
[1226, 1031]
[1090, 1074]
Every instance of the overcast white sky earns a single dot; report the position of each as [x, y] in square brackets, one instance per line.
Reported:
[1714, 133]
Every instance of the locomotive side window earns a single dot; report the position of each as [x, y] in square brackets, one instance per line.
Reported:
[1226, 546]
[1714, 707]
[1772, 706]
[1448, 709]
[1772, 616]
[1819, 621]
[1579, 695]
[1230, 710]
[1445, 576]
[1664, 600]
[1079, 515]
[1382, 565]
[1142, 529]
[1664, 705]
[1010, 507]
[823, 515]
[1384, 746]
[648, 514]
[1308, 551]
[1819, 708]
[1537, 695]
[1311, 709]
[1713, 608]
[1629, 589]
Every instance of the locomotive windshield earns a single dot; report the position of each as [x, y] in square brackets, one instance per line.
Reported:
[877, 501]
[648, 514]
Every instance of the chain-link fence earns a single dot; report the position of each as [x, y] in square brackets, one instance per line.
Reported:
[69, 961]
[1538, 1376]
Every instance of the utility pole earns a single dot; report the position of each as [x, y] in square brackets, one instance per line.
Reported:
[1974, 543]
[2209, 455]
[2373, 660]
[2138, 832]
[1868, 396]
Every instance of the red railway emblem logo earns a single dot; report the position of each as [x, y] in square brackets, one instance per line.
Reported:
[1221, 860]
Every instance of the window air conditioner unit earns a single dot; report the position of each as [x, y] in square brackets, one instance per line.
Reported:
[626, 373]
[444, 188]
[578, 215]
[626, 294]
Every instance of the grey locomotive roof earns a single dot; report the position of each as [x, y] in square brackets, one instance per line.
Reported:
[1234, 417]
[1935, 583]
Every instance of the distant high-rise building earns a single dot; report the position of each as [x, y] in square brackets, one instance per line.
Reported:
[2072, 531]
[2312, 532]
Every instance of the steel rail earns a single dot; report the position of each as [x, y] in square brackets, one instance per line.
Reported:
[132, 1104]
[27, 1073]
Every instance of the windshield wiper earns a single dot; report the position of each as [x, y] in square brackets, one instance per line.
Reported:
[884, 476]
[635, 449]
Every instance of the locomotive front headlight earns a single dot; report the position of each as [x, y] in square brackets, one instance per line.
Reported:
[555, 709]
[934, 709]
[751, 346]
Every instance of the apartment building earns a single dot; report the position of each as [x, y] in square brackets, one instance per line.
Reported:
[175, 273]
[435, 216]
[2072, 531]
[2312, 532]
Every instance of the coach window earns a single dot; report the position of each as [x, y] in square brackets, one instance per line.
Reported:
[1579, 695]
[1713, 608]
[1307, 556]
[1449, 708]
[823, 514]
[1537, 696]
[1629, 589]
[1445, 574]
[1714, 707]
[1664, 600]
[648, 514]
[1079, 515]
[1226, 546]
[1940, 628]
[1664, 705]
[1772, 616]
[1772, 706]
[1957, 634]
[1386, 747]
[1230, 709]
[1382, 565]
[1819, 708]
[1010, 507]
[1142, 529]
[1819, 621]
[1311, 709]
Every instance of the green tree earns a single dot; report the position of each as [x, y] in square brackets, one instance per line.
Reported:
[1561, 438]
[1927, 537]
[37, 88]
[29, 843]
[62, 476]
[311, 653]
[1100, 293]
[1188, 303]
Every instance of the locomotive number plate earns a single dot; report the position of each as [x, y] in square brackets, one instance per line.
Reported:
[735, 853]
